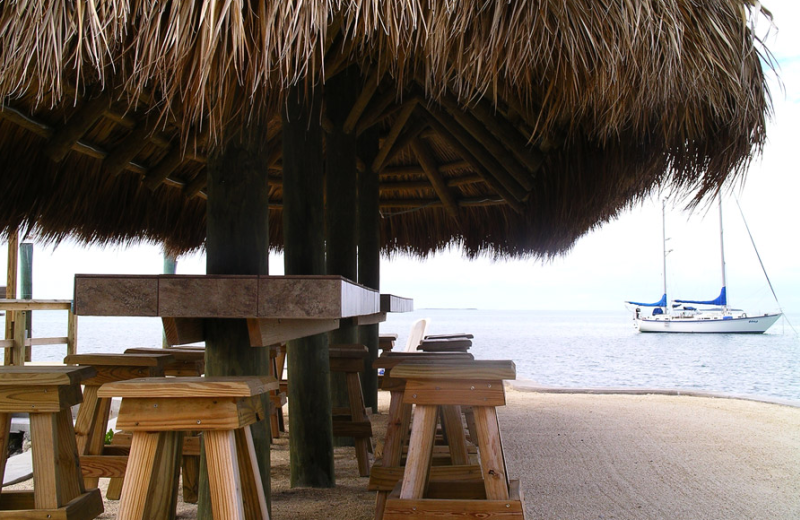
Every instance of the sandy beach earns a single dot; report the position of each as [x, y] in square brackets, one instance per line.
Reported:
[586, 456]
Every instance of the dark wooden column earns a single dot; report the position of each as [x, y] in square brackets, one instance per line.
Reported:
[341, 209]
[237, 243]
[369, 255]
[310, 427]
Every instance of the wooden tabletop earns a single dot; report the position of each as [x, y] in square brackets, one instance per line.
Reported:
[44, 375]
[158, 387]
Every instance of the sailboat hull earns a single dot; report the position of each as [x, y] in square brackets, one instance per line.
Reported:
[717, 324]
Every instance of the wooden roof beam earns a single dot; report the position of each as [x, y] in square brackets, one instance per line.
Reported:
[363, 100]
[64, 138]
[376, 109]
[477, 156]
[134, 143]
[413, 128]
[394, 133]
[428, 163]
[489, 142]
[163, 169]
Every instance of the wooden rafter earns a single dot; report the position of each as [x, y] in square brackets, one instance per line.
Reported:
[196, 185]
[428, 163]
[504, 132]
[65, 137]
[363, 100]
[394, 133]
[481, 161]
[163, 169]
[490, 143]
[413, 128]
[376, 109]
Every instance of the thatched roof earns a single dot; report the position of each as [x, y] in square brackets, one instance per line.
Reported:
[509, 128]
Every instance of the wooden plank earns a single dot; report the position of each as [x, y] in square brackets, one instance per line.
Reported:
[371, 319]
[6, 343]
[10, 304]
[186, 387]
[466, 509]
[420, 447]
[32, 342]
[159, 359]
[193, 414]
[40, 399]
[386, 478]
[19, 505]
[455, 392]
[455, 437]
[223, 475]
[44, 375]
[267, 332]
[95, 466]
[182, 331]
[477, 370]
[116, 296]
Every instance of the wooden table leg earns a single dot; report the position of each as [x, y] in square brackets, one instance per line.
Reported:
[357, 415]
[393, 444]
[420, 449]
[490, 447]
[223, 474]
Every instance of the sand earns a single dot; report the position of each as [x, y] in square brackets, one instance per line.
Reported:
[584, 456]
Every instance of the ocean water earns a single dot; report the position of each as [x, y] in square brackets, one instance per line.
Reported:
[571, 349]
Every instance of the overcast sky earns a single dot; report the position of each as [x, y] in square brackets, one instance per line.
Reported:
[620, 261]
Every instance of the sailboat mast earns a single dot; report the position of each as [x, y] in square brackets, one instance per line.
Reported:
[664, 246]
[722, 252]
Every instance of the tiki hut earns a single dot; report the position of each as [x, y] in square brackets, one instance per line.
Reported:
[503, 128]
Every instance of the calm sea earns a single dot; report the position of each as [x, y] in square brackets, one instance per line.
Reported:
[559, 349]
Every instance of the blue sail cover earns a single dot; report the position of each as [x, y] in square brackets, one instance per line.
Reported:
[660, 303]
[722, 299]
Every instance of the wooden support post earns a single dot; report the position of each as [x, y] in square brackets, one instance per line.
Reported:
[369, 256]
[311, 437]
[18, 355]
[237, 243]
[11, 288]
[341, 210]
[26, 287]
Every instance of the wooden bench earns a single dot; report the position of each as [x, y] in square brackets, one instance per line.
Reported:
[47, 395]
[478, 384]
[91, 424]
[159, 410]
[384, 476]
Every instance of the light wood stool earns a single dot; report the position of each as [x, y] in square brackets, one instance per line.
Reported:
[159, 410]
[46, 394]
[353, 421]
[385, 475]
[478, 384]
[91, 424]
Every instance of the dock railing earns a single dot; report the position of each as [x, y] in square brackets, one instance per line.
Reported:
[17, 342]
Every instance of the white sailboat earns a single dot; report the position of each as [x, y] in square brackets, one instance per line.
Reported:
[714, 317]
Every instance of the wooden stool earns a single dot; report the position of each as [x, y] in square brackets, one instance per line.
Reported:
[159, 410]
[91, 424]
[474, 383]
[384, 476]
[189, 362]
[46, 394]
[277, 360]
[353, 421]
[386, 342]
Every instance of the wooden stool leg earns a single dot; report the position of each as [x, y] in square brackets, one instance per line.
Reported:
[138, 475]
[420, 448]
[114, 490]
[5, 429]
[163, 492]
[84, 423]
[97, 437]
[255, 503]
[363, 444]
[70, 478]
[393, 445]
[190, 473]
[44, 436]
[223, 475]
[490, 446]
[456, 439]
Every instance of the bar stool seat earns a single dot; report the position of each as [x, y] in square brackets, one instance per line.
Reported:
[478, 384]
[159, 410]
[46, 394]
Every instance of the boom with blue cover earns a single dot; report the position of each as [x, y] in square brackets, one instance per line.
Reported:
[660, 303]
[722, 299]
